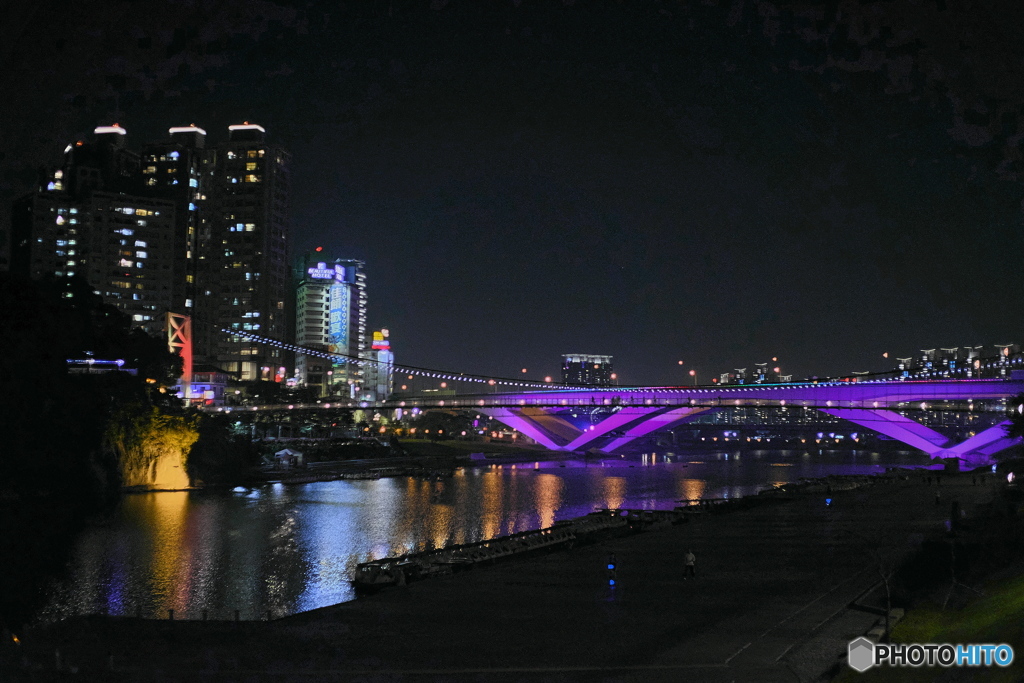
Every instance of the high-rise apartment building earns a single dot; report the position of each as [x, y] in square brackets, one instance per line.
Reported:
[178, 170]
[184, 226]
[89, 217]
[588, 369]
[242, 271]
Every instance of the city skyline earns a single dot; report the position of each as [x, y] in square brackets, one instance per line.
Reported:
[719, 192]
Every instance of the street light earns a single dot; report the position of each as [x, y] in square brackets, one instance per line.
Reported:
[693, 374]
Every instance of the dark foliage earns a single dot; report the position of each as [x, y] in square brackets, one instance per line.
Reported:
[220, 456]
[55, 471]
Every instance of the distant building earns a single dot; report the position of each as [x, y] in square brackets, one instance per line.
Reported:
[330, 314]
[379, 371]
[587, 369]
[208, 385]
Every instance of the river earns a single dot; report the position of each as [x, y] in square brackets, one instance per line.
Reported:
[285, 549]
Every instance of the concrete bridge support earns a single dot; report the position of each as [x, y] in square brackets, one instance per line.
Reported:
[975, 451]
[622, 426]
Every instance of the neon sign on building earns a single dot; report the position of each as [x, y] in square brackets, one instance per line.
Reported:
[322, 271]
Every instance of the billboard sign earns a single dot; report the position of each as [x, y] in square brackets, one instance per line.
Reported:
[338, 332]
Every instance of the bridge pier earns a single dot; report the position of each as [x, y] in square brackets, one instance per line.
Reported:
[976, 451]
[559, 434]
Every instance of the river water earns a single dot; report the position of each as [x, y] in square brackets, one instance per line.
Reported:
[286, 549]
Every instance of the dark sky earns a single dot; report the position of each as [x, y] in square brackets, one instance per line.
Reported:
[717, 182]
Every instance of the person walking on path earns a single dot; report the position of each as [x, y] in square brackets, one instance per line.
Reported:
[688, 561]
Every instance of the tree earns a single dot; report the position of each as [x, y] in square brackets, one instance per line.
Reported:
[1015, 412]
[220, 455]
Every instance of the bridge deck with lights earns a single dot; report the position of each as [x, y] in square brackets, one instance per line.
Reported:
[629, 413]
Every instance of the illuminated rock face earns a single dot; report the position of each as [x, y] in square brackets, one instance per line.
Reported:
[152, 449]
[169, 471]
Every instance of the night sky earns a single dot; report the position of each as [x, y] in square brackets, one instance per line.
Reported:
[713, 182]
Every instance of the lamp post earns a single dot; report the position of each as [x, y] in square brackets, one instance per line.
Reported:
[693, 374]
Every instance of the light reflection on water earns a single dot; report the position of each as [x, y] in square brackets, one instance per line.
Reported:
[287, 549]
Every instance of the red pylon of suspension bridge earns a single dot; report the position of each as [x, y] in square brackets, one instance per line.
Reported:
[179, 340]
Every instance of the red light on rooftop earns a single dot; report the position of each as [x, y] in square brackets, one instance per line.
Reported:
[319, 248]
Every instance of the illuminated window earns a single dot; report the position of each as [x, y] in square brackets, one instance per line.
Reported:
[140, 243]
[231, 155]
[252, 178]
[249, 227]
[124, 263]
[149, 169]
[151, 182]
[250, 166]
[192, 182]
[140, 254]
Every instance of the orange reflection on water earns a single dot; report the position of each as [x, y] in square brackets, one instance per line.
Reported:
[548, 490]
[691, 489]
[613, 490]
[490, 504]
[170, 560]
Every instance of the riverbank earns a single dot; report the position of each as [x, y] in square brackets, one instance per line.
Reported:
[422, 459]
[773, 593]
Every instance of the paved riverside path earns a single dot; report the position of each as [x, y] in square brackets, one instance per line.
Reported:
[769, 603]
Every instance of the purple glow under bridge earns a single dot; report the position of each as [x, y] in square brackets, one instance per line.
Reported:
[634, 412]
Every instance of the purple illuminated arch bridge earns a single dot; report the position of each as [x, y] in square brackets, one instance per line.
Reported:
[541, 410]
[631, 413]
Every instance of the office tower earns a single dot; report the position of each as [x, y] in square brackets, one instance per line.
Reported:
[587, 369]
[242, 268]
[331, 315]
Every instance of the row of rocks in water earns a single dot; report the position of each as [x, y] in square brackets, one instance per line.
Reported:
[396, 571]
